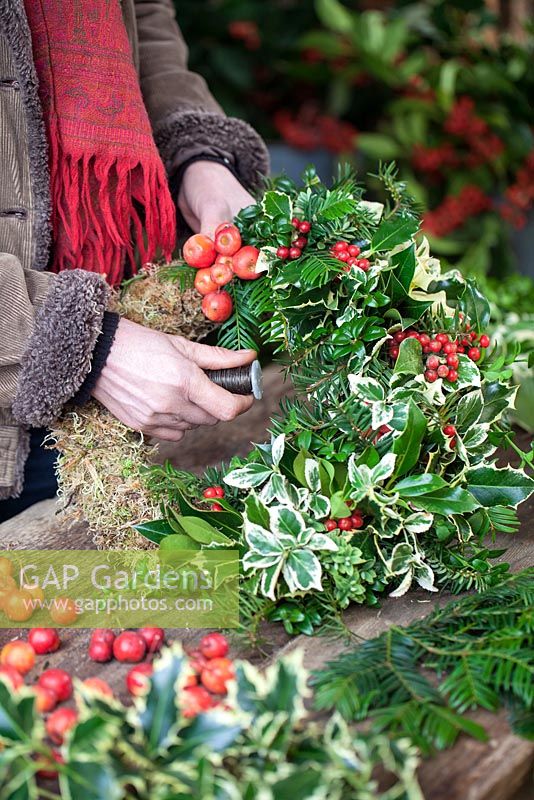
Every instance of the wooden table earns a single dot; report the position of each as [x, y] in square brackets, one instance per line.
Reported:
[468, 771]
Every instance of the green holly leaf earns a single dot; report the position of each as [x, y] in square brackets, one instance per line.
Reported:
[447, 501]
[394, 231]
[277, 204]
[400, 278]
[155, 530]
[159, 714]
[409, 361]
[494, 487]
[407, 446]
[415, 485]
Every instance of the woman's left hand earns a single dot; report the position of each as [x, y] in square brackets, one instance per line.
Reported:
[209, 195]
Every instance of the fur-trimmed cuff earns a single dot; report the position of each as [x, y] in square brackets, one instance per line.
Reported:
[59, 352]
[15, 446]
[183, 130]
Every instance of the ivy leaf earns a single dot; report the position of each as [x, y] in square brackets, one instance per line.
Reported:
[394, 231]
[248, 476]
[407, 446]
[493, 487]
[302, 571]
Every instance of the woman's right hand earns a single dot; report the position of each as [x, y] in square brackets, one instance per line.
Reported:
[154, 382]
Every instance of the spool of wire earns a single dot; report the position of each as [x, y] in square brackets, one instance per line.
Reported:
[239, 380]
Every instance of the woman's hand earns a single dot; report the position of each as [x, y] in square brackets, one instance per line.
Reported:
[155, 383]
[209, 195]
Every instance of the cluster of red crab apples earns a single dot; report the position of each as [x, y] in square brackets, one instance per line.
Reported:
[218, 262]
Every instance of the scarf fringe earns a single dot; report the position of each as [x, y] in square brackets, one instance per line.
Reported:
[105, 208]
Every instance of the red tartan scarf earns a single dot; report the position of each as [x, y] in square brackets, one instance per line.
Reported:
[108, 184]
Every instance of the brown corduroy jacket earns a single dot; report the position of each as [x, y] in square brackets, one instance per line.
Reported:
[49, 323]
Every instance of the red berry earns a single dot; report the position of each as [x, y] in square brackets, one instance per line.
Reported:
[129, 646]
[363, 263]
[245, 261]
[295, 222]
[473, 336]
[449, 430]
[282, 252]
[209, 493]
[216, 674]
[194, 700]
[357, 521]
[394, 352]
[432, 362]
[424, 339]
[219, 491]
[45, 699]
[473, 353]
[344, 524]
[354, 250]
[44, 640]
[339, 247]
[19, 655]
[399, 336]
[199, 251]
[452, 376]
[330, 525]
[412, 335]
[153, 638]
[453, 360]
[351, 261]
[300, 241]
[295, 252]
[216, 507]
[59, 681]
[100, 650]
[11, 675]
[449, 347]
[452, 444]
[434, 346]
[214, 645]
[460, 349]
[484, 340]
[443, 371]
[227, 239]
[217, 306]
[431, 375]
[60, 722]
[305, 226]
[442, 337]
[137, 679]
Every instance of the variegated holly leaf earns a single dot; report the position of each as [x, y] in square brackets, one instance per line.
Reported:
[367, 388]
[418, 522]
[312, 474]
[249, 476]
[277, 448]
[262, 541]
[319, 506]
[286, 523]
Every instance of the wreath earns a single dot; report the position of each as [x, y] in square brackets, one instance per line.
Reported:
[381, 470]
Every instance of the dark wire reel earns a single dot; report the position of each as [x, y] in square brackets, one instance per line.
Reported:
[239, 380]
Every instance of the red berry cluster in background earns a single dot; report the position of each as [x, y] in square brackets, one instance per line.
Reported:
[354, 522]
[211, 493]
[349, 254]
[218, 262]
[463, 122]
[519, 195]
[454, 211]
[298, 241]
[442, 351]
[434, 159]
[309, 130]
[247, 31]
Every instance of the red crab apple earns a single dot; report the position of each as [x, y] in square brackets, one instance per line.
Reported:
[19, 655]
[227, 239]
[214, 645]
[194, 700]
[44, 640]
[154, 638]
[100, 650]
[99, 685]
[199, 251]
[59, 681]
[129, 646]
[11, 676]
[222, 271]
[137, 681]
[216, 674]
[217, 306]
[245, 263]
[45, 699]
[60, 722]
[204, 283]
[103, 635]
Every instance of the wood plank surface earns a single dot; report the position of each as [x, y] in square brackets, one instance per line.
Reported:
[469, 771]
